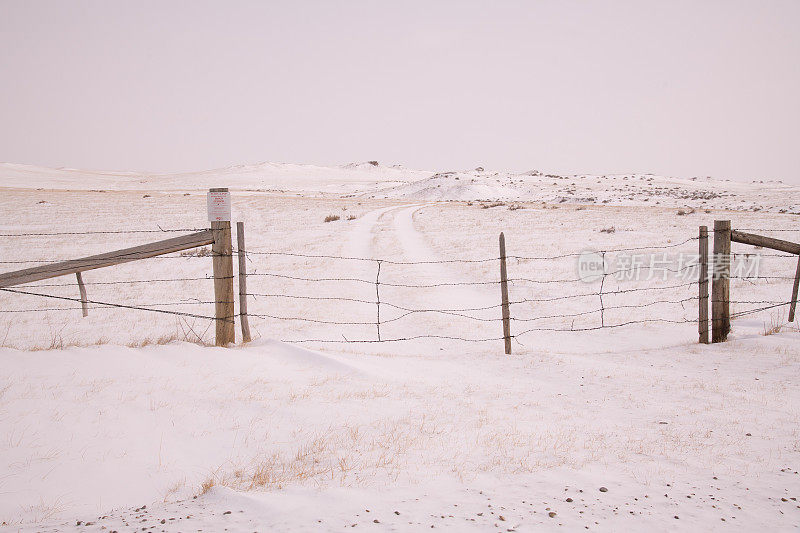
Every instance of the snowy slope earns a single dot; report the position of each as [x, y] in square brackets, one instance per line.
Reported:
[685, 439]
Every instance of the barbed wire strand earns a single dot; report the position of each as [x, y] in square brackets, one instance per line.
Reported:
[758, 310]
[110, 304]
[123, 282]
[471, 317]
[106, 232]
[490, 339]
[765, 229]
[482, 308]
[483, 260]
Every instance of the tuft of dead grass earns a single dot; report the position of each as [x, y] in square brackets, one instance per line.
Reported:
[173, 490]
[184, 332]
[207, 486]
[777, 324]
[203, 251]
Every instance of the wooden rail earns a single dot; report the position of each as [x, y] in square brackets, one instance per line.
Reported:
[765, 242]
[75, 266]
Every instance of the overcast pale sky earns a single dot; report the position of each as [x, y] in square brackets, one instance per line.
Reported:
[686, 88]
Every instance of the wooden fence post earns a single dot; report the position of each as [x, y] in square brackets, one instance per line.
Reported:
[702, 325]
[720, 283]
[794, 291]
[222, 256]
[504, 295]
[82, 290]
[242, 282]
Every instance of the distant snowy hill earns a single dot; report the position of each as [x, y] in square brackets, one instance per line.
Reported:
[278, 177]
[622, 189]
[373, 180]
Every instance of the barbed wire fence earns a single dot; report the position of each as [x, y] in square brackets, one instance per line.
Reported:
[654, 298]
[525, 324]
[462, 312]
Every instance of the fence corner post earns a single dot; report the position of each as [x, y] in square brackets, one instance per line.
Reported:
[720, 282]
[702, 323]
[504, 295]
[222, 257]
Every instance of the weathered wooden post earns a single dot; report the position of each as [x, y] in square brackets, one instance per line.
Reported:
[794, 291]
[504, 295]
[82, 290]
[720, 283]
[242, 282]
[702, 324]
[219, 213]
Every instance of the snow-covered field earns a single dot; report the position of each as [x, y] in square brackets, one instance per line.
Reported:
[100, 416]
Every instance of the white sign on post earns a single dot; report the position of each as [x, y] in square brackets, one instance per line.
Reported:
[219, 206]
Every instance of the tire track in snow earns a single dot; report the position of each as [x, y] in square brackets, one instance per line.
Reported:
[389, 233]
[414, 248]
[361, 241]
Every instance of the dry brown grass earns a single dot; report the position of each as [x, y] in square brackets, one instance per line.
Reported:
[772, 328]
[203, 251]
[777, 324]
[40, 512]
[207, 485]
[183, 333]
[58, 343]
[167, 338]
[173, 490]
